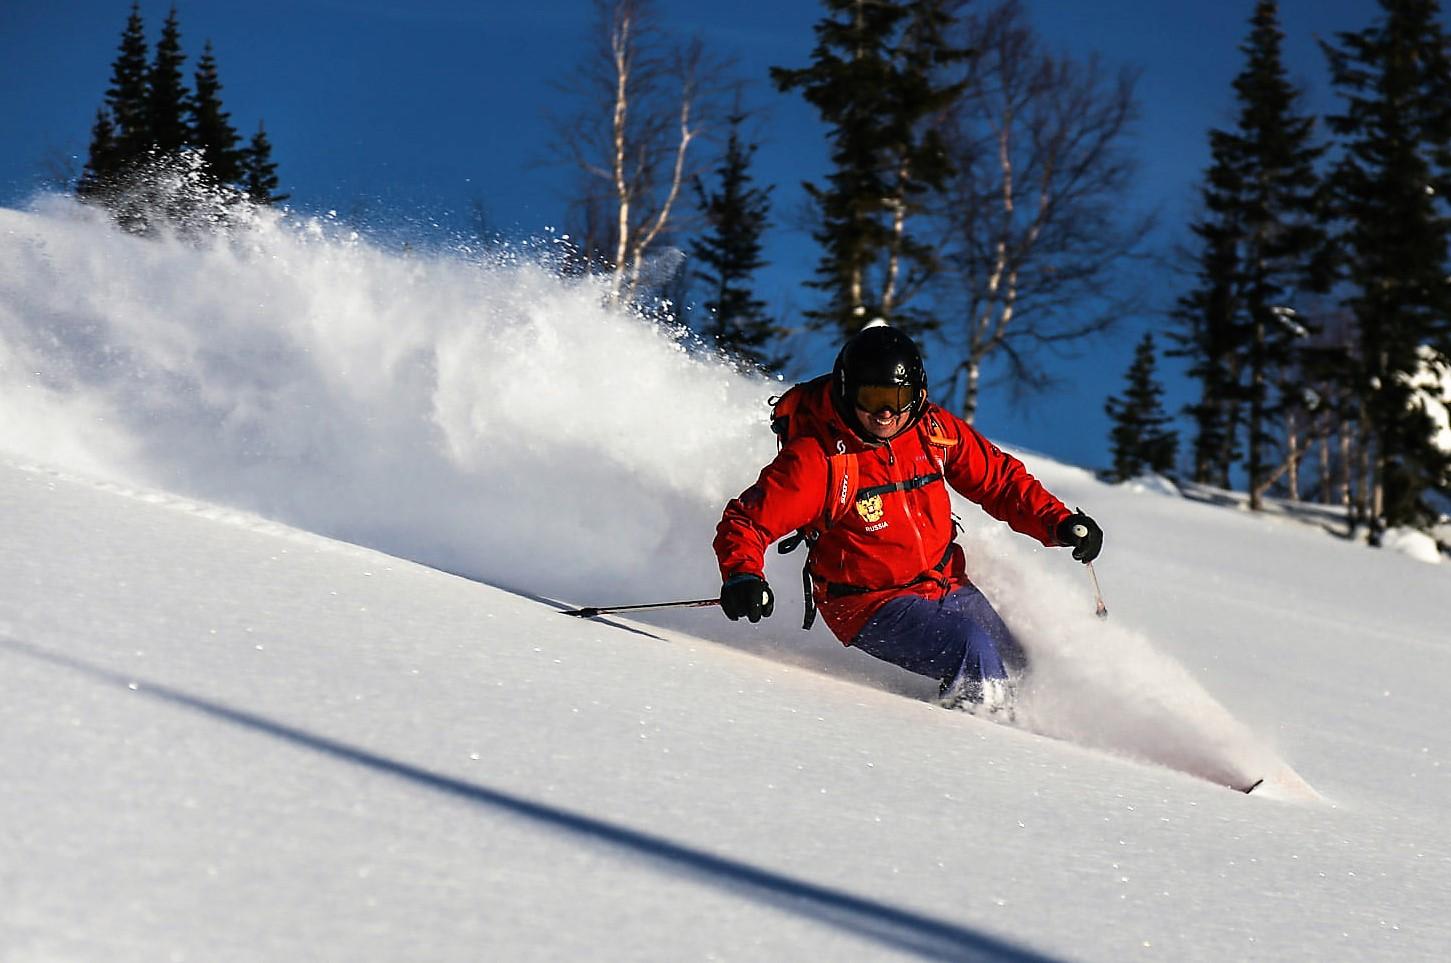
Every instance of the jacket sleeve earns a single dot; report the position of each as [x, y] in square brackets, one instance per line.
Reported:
[1001, 484]
[789, 494]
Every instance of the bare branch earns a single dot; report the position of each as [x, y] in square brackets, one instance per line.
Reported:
[690, 63]
[644, 102]
[1036, 218]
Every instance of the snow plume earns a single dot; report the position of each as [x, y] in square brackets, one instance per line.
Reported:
[174, 193]
[1100, 683]
[482, 416]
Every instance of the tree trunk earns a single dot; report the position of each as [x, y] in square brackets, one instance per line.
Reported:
[894, 251]
[1255, 458]
[1226, 451]
[1292, 442]
[647, 237]
[1346, 465]
[969, 394]
[1377, 498]
[620, 43]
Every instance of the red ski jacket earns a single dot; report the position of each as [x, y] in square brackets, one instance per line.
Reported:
[883, 526]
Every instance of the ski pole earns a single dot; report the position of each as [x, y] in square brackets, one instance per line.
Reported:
[1102, 610]
[590, 611]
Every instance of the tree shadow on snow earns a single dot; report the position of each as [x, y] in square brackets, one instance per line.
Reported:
[899, 929]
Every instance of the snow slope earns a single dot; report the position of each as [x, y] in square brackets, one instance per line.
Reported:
[233, 732]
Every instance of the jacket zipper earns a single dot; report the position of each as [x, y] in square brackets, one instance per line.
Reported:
[907, 507]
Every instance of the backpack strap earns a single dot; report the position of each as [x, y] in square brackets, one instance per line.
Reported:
[935, 434]
[841, 489]
[842, 477]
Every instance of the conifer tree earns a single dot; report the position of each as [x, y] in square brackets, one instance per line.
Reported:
[121, 133]
[149, 113]
[103, 158]
[1282, 252]
[259, 171]
[731, 253]
[126, 98]
[1141, 437]
[1210, 314]
[211, 126]
[1389, 188]
[1263, 246]
[166, 96]
[875, 79]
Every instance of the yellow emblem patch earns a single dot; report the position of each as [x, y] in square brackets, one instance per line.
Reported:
[870, 508]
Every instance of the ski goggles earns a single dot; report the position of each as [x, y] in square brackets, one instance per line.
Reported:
[878, 398]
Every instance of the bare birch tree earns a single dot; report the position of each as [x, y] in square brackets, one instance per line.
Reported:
[1037, 217]
[645, 101]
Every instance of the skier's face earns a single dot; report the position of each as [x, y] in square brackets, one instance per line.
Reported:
[883, 412]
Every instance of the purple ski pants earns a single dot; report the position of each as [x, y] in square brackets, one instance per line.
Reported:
[937, 637]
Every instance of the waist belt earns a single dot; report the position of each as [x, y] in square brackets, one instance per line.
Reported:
[836, 590]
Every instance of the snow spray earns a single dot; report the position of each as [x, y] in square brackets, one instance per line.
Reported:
[474, 410]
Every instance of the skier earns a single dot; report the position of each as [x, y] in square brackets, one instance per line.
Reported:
[883, 566]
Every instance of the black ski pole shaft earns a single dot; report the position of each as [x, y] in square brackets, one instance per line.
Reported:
[590, 611]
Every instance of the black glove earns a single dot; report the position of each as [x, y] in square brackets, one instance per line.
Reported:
[1083, 534]
[747, 595]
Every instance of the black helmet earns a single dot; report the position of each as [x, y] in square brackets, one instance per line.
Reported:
[877, 355]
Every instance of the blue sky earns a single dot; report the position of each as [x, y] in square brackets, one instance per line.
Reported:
[407, 113]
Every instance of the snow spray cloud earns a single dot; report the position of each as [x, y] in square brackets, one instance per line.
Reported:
[1100, 683]
[487, 417]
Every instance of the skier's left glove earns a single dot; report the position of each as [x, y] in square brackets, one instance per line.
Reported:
[748, 595]
[1083, 533]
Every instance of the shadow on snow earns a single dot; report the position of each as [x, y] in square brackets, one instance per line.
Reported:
[899, 929]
